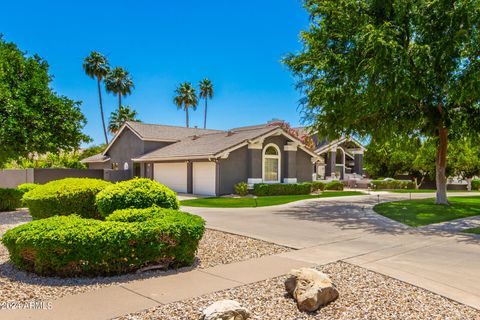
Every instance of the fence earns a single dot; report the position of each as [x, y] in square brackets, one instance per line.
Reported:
[13, 178]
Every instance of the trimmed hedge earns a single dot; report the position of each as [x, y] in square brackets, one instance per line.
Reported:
[135, 193]
[393, 184]
[10, 199]
[475, 184]
[25, 187]
[334, 185]
[72, 246]
[241, 188]
[317, 186]
[65, 197]
[278, 189]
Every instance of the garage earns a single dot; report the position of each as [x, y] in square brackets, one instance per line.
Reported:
[173, 175]
[204, 177]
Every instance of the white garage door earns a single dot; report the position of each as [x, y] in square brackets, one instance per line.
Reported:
[173, 175]
[204, 178]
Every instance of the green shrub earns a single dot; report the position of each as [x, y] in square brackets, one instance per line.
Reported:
[334, 185]
[139, 215]
[25, 187]
[135, 193]
[476, 184]
[317, 186]
[10, 199]
[72, 246]
[65, 197]
[278, 189]
[241, 188]
[393, 184]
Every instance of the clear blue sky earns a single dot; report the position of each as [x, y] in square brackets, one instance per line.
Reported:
[237, 44]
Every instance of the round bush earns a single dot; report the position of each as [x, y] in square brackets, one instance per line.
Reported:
[10, 199]
[73, 246]
[65, 197]
[25, 187]
[334, 185]
[135, 193]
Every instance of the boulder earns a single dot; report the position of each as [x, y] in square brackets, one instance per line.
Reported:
[310, 288]
[225, 310]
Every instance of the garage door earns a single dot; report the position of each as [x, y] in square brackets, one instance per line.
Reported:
[204, 178]
[173, 175]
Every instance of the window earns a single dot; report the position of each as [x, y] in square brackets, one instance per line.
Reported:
[271, 163]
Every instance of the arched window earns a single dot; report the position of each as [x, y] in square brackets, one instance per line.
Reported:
[271, 163]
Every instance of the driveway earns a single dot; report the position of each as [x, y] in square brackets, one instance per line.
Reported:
[327, 230]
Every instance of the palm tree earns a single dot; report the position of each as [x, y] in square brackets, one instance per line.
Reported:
[96, 66]
[119, 117]
[206, 92]
[118, 81]
[185, 98]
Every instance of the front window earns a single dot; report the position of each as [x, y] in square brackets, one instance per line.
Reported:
[271, 164]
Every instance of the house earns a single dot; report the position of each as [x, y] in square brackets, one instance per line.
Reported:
[211, 162]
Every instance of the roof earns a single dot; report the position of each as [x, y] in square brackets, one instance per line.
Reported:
[160, 132]
[208, 145]
[95, 159]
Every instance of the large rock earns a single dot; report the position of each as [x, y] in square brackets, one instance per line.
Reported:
[225, 310]
[310, 288]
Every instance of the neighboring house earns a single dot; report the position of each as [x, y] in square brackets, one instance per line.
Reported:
[211, 162]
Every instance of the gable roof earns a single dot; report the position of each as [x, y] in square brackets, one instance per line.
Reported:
[96, 158]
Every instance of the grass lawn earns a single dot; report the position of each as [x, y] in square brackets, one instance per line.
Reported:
[417, 213]
[423, 191]
[473, 230]
[223, 202]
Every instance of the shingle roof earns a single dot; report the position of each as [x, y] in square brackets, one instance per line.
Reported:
[207, 144]
[95, 159]
[164, 132]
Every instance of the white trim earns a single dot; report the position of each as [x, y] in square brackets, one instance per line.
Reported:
[357, 151]
[278, 157]
[253, 181]
[257, 146]
[334, 144]
[174, 158]
[290, 147]
[289, 180]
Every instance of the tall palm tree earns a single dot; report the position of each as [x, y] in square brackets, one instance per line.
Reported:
[118, 81]
[96, 66]
[206, 92]
[185, 98]
[119, 117]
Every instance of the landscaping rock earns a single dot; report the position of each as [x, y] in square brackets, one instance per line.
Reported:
[225, 310]
[310, 288]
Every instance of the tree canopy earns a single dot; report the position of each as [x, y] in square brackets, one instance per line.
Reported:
[34, 118]
[380, 68]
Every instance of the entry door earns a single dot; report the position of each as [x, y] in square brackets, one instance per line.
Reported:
[204, 178]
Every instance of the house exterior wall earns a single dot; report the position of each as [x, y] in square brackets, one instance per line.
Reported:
[304, 166]
[126, 147]
[234, 169]
[100, 165]
[149, 146]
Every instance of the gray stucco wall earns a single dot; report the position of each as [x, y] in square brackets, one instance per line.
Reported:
[304, 166]
[100, 165]
[126, 147]
[149, 146]
[233, 170]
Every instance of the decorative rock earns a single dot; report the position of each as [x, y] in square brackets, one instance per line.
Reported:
[225, 310]
[310, 288]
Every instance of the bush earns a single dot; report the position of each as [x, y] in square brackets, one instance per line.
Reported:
[73, 246]
[334, 185]
[393, 184]
[317, 186]
[65, 197]
[135, 193]
[10, 199]
[476, 184]
[265, 189]
[241, 188]
[139, 215]
[25, 187]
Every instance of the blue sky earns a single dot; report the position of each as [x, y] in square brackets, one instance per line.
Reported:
[237, 44]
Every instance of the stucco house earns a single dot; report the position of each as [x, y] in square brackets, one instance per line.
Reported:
[211, 162]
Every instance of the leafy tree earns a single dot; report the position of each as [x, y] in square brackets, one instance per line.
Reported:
[92, 150]
[118, 81]
[49, 160]
[33, 118]
[206, 92]
[400, 66]
[465, 159]
[185, 98]
[96, 66]
[118, 118]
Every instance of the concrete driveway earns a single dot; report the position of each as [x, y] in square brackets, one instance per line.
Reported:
[327, 230]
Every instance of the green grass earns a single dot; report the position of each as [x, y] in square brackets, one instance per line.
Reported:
[222, 202]
[417, 213]
[422, 190]
[473, 230]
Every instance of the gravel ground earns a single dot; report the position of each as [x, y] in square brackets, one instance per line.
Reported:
[363, 295]
[215, 248]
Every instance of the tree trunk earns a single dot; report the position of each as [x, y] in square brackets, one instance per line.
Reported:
[205, 117]
[101, 110]
[119, 102]
[441, 165]
[186, 115]
[469, 184]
